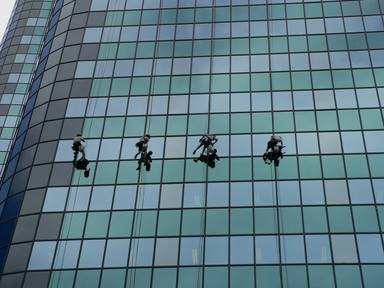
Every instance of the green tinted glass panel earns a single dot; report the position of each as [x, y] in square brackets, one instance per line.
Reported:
[259, 45]
[189, 277]
[126, 50]
[217, 221]
[221, 47]
[97, 225]
[87, 278]
[298, 44]
[333, 166]
[240, 123]
[379, 76]
[114, 127]
[73, 225]
[337, 42]
[165, 49]
[295, 11]
[310, 167]
[100, 87]
[113, 278]
[348, 276]
[301, 80]
[376, 165]
[278, 44]
[107, 51]
[365, 219]
[219, 123]
[356, 166]
[262, 122]
[363, 78]
[200, 83]
[156, 125]
[121, 224]
[161, 85]
[295, 276]
[139, 278]
[327, 120]
[357, 41]
[140, 85]
[132, 17]
[239, 46]
[260, 82]
[305, 121]
[145, 223]
[114, 18]
[332, 9]
[183, 48]
[62, 279]
[145, 49]
[169, 223]
[240, 82]
[220, 83]
[288, 168]
[265, 221]
[134, 126]
[120, 86]
[371, 119]
[290, 220]
[349, 119]
[201, 47]
[317, 43]
[241, 220]
[372, 275]
[242, 277]
[321, 79]
[342, 79]
[150, 17]
[281, 81]
[177, 125]
[93, 127]
[268, 276]
[241, 169]
[216, 277]
[340, 219]
[315, 220]
[283, 121]
[191, 223]
[321, 276]
[180, 84]
[106, 173]
[198, 124]
[164, 277]
[173, 170]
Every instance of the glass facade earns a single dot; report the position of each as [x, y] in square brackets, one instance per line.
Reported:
[114, 70]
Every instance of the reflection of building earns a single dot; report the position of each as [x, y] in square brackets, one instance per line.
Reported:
[114, 70]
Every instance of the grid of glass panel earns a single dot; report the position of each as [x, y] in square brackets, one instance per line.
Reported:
[19, 52]
[310, 71]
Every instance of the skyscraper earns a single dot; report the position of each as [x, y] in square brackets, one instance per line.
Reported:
[114, 70]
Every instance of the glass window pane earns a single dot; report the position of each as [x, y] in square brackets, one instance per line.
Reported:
[91, 253]
[318, 249]
[344, 249]
[166, 251]
[266, 250]
[41, 257]
[216, 250]
[242, 250]
[116, 254]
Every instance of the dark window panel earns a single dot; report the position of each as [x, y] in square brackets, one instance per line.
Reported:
[78, 21]
[39, 176]
[96, 19]
[70, 53]
[56, 110]
[66, 71]
[89, 51]
[62, 172]
[18, 257]
[26, 158]
[81, 88]
[71, 127]
[6, 232]
[36, 280]
[11, 281]
[45, 153]
[75, 37]
[33, 201]
[25, 229]
[12, 207]
[49, 226]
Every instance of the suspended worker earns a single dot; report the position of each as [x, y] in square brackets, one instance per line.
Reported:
[82, 164]
[274, 150]
[146, 159]
[142, 145]
[206, 140]
[210, 158]
[78, 147]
